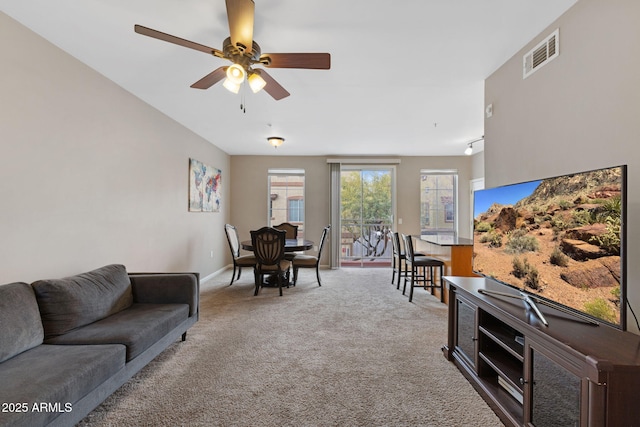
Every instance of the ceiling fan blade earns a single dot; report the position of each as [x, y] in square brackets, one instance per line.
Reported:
[316, 61]
[176, 40]
[272, 87]
[240, 14]
[210, 79]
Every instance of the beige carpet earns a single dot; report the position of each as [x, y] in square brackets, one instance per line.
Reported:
[353, 352]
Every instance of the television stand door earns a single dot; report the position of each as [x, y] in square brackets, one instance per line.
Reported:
[569, 373]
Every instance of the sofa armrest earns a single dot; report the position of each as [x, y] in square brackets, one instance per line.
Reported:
[167, 288]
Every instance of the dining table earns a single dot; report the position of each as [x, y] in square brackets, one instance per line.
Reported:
[290, 245]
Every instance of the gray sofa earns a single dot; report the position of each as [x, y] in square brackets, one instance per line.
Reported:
[67, 344]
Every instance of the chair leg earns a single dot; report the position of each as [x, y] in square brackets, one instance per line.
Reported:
[239, 273]
[393, 270]
[318, 274]
[295, 275]
[432, 280]
[441, 285]
[406, 275]
[233, 276]
[400, 270]
[258, 279]
[414, 271]
[428, 279]
[406, 270]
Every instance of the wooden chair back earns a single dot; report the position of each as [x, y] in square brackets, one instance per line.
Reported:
[290, 229]
[325, 231]
[408, 248]
[395, 240]
[268, 245]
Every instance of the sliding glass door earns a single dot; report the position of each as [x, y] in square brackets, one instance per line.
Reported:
[366, 215]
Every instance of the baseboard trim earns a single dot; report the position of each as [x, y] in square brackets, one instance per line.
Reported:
[216, 273]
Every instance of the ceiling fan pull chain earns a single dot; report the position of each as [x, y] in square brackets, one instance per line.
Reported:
[243, 104]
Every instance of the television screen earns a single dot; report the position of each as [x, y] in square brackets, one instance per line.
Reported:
[560, 239]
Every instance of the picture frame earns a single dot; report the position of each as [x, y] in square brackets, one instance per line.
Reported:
[204, 187]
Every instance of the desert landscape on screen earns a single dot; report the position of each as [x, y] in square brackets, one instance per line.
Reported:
[562, 241]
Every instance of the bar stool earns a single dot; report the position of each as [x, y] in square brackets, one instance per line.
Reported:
[398, 264]
[398, 258]
[421, 262]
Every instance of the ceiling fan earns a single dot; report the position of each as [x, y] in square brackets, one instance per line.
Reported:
[244, 53]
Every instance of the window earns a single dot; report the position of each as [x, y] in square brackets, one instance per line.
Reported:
[438, 202]
[286, 197]
[295, 209]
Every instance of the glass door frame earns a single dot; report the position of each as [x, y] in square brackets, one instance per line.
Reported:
[364, 167]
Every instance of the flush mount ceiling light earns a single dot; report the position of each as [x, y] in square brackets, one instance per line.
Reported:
[275, 141]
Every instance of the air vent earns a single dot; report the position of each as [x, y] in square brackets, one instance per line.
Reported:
[540, 55]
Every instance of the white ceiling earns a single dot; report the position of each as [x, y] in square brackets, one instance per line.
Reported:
[406, 78]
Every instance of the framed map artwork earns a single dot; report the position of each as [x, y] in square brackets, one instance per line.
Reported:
[204, 187]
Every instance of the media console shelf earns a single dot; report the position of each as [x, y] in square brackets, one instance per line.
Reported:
[569, 373]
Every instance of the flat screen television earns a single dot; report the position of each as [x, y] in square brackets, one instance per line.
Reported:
[561, 240]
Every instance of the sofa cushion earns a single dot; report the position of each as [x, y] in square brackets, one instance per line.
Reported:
[71, 302]
[57, 375]
[137, 327]
[20, 319]
[166, 288]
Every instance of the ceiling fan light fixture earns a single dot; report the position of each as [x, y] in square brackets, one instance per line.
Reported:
[275, 141]
[243, 52]
[256, 82]
[236, 74]
[231, 86]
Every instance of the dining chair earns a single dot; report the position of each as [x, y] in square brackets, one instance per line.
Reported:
[268, 248]
[310, 261]
[291, 229]
[239, 262]
[415, 263]
[292, 233]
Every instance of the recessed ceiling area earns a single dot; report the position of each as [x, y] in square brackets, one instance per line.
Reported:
[406, 77]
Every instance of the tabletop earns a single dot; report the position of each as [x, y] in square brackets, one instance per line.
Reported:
[446, 240]
[290, 245]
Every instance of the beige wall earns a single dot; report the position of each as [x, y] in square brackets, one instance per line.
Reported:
[249, 194]
[477, 165]
[249, 191]
[579, 112]
[91, 175]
